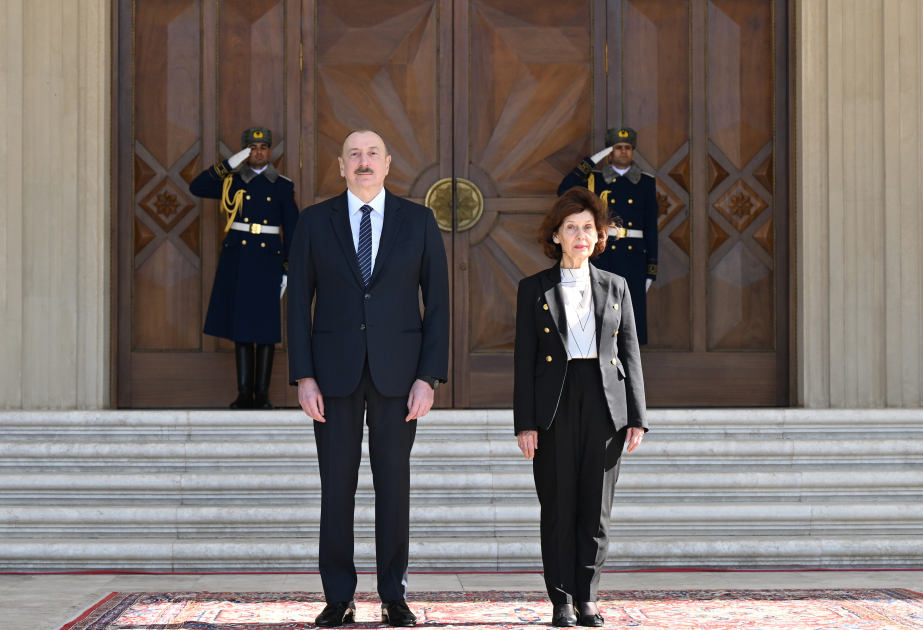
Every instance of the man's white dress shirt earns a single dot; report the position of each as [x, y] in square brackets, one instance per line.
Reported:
[377, 217]
[621, 171]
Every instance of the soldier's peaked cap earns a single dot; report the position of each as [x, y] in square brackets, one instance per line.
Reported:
[254, 135]
[621, 134]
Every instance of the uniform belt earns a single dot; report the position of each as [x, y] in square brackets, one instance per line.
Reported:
[255, 228]
[623, 233]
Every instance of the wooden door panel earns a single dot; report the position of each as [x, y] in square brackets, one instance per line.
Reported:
[529, 97]
[741, 288]
[387, 70]
[251, 85]
[166, 149]
[196, 379]
[379, 72]
[655, 70]
[199, 74]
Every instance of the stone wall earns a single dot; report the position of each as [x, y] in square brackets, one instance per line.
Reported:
[54, 203]
[859, 75]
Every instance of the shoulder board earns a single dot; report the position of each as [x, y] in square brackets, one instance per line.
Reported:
[284, 177]
[648, 174]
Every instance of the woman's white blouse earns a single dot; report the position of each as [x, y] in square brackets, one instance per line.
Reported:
[578, 305]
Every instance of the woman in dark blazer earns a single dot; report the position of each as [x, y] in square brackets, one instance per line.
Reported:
[579, 397]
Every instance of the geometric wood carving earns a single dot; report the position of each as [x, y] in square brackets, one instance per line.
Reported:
[190, 236]
[763, 173]
[682, 236]
[716, 174]
[278, 164]
[380, 73]
[143, 236]
[143, 173]
[716, 236]
[526, 105]
[166, 204]
[191, 170]
[763, 236]
[740, 205]
[740, 78]
[680, 174]
[668, 204]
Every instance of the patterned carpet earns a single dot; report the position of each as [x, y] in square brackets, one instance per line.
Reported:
[865, 609]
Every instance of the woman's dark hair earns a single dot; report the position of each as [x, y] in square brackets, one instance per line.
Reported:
[574, 201]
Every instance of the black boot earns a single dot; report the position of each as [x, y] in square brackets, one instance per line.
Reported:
[244, 355]
[264, 355]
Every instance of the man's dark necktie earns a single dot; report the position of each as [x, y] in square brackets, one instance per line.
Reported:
[365, 244]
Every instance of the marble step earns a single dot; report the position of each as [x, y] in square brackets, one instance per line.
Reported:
[443, 424]
[460, 554]
[460, 455]
[455, 487]
[473, 519]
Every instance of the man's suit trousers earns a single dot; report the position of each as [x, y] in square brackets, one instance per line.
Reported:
[576, 466]
[339, 451]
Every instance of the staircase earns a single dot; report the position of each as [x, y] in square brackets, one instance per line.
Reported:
[222, 491]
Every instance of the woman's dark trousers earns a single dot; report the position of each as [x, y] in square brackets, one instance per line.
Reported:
[575, 468]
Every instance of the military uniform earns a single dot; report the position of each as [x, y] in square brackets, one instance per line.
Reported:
[632, 198]
[245, 305]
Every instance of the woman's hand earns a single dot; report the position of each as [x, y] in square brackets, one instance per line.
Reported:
[633, 438]
[528, 443]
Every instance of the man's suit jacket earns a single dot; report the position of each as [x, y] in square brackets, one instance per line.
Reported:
[541, 350]
[383, 321]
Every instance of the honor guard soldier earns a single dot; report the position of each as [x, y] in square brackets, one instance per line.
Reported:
[632, 201]
[259, 204]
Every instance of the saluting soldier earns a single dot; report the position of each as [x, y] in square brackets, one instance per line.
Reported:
[261, 214]
[631, 198]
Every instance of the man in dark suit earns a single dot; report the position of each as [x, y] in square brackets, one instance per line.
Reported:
[363, 258]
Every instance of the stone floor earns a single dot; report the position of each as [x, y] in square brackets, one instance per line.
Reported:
[46, 602]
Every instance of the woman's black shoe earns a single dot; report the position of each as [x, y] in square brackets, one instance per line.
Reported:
[564, 616]
[588, 615]
[592, 621]
[336, 614]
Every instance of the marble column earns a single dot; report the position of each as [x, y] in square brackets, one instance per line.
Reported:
[859, 74]
[54, 204]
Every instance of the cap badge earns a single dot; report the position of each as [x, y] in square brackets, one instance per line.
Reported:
[259, 134]
[623, 134]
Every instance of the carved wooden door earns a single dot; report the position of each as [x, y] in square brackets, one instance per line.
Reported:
[192, 75]
[704, 84]
[485, 106]
[529, 104]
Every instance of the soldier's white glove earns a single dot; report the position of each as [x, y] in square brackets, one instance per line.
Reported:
[238, 158]
[284, 284]
[596, 158]
[648, 285]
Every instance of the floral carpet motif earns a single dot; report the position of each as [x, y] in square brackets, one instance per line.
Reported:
[843, 609]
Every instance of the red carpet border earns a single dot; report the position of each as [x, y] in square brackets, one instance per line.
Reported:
[820, 609]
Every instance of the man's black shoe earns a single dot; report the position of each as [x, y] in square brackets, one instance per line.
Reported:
[397, 614]
[336, 614]
[563, 616]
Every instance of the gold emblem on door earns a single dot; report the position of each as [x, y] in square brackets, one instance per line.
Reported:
[470, 203]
